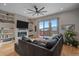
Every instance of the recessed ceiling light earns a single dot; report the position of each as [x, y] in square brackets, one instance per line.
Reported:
[5, 4]
[61, 8]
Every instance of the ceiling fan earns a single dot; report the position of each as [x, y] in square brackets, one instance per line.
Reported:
[37, 11]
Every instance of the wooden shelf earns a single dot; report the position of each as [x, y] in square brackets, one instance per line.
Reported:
[7, 18]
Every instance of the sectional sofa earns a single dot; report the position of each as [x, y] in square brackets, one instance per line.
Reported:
[52, 47]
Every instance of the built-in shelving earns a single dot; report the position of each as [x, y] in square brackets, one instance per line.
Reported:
[7, 23]
[31, 29]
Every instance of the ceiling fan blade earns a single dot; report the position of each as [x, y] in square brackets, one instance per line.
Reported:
[36, 8]
[31, 10]
[43, 11]
[42, 8]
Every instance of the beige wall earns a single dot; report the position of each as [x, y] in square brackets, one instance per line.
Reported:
[68, 17]
[71, 17]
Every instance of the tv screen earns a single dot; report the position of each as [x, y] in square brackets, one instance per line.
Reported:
[22, 24]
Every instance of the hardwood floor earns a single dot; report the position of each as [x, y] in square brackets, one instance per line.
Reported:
[70, 51]
[8, 50]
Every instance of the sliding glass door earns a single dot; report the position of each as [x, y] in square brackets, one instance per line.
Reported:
[54, 26]
[44, 28]
[48, 27]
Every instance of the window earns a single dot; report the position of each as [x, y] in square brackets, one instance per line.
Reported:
[41, 25]
[47, 27]
[54, 24]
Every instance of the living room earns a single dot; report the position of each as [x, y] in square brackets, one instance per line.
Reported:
[39, 22]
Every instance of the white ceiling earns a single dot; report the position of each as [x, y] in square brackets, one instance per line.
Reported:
[51, 8]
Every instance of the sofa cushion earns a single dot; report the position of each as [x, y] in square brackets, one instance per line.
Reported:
[51, 43]
[35, 41]
[40, 43]
[47, 44]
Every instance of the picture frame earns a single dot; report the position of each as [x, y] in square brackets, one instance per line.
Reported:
[68, 27]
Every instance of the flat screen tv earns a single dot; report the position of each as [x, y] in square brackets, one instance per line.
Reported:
[22, 24]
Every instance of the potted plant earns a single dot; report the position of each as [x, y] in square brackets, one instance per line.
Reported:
[70, 38]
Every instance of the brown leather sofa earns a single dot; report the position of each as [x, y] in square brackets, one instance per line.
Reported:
[30, 49]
